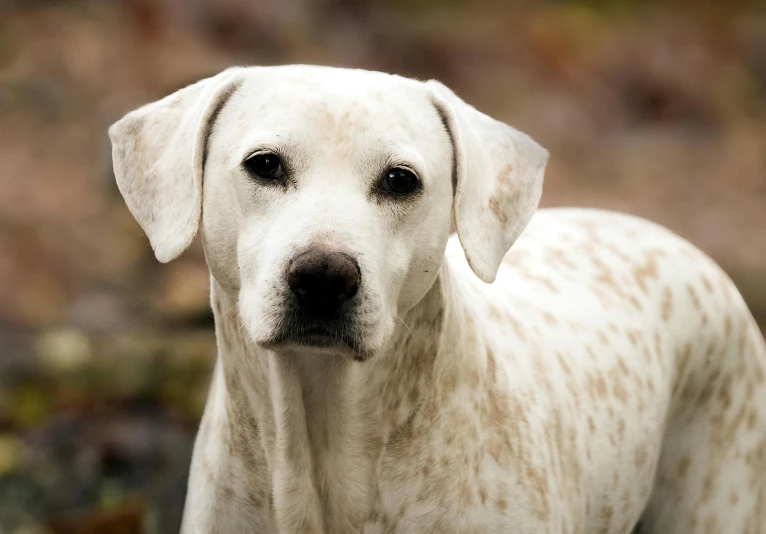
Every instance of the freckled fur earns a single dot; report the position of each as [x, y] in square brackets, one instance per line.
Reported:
[611, 373]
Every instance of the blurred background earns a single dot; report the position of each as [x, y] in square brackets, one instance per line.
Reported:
[654, 108]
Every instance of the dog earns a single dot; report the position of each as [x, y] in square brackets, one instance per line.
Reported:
[372, 378]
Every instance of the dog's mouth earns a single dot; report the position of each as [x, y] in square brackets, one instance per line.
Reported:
[314, 336]
[330, 338]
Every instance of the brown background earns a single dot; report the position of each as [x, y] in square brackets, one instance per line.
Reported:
[654, 108]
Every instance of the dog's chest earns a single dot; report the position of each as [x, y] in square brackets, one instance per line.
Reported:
[458, 462]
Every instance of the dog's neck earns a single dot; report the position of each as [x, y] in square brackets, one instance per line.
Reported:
[326, 419]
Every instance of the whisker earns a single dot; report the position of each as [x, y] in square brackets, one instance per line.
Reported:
[230, 308]
[405, 324]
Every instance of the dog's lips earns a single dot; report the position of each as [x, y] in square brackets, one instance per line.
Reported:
[319, 338]
[316, 338]
[308, 337]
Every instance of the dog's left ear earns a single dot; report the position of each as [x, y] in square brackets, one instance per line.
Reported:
[499, 173]
[158, 153]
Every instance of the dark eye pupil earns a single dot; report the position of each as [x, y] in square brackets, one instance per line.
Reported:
[265, 166]
[399, 181]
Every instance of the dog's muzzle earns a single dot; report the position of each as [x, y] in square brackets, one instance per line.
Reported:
[319, 310]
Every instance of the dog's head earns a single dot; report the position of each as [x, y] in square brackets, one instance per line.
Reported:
[325, 195]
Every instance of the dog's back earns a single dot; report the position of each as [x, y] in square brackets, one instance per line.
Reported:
[643, 372]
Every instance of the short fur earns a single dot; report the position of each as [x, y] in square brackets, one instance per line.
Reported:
[611, 375]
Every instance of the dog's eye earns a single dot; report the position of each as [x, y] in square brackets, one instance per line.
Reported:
[398, 181]
[265, 166]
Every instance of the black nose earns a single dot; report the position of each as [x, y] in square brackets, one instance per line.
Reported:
[323, 279]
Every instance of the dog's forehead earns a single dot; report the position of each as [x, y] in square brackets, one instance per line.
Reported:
[299, 81]
[328, 100]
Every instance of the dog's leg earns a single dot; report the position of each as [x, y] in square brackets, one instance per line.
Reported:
[712, 471]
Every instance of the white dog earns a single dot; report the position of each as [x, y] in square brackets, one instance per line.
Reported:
[611, 379]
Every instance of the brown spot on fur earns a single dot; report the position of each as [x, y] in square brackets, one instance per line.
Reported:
[667, 304]
[683, 358]
[505, 199]
[694, 296]
[641, 456]
[466, 496]
[563, 363]
[645, 272]
[626, 499]
[517, 326]
[607, 512]
[602, 337]
[683, 467]
[706, 282]
[550, 319]
[616, 251]
[708, 486]
[558, 256]
[542, 280]
[620, 393]
[647, 353]
[601, 386]
[623, 368]
[760, 375]
[491, 364]
[724, 394]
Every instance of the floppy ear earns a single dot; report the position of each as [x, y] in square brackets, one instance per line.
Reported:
[499, 180]
[158, 153]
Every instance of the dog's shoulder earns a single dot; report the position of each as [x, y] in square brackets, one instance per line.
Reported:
[574, 346]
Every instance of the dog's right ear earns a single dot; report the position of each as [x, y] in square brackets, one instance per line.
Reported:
[499, 179]
[158, 153]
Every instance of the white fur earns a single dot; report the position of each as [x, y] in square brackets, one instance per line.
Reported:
[611, 373]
